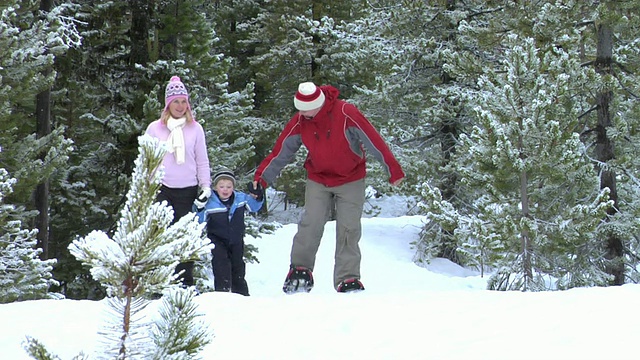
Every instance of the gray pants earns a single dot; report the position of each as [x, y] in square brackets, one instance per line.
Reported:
[349, 199]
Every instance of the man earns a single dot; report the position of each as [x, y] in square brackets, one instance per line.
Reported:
[335, 134]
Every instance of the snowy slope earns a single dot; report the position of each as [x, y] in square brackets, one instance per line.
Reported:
[406, 312]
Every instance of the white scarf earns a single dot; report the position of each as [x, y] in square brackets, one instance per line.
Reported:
[176, 138]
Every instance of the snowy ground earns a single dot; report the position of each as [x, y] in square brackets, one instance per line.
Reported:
[406, 312]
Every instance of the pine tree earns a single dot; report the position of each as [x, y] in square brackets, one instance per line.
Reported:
[190, 43]
[625, 68]
[324, 42]
[406, 70]
[23, 276]
[140, 260]
[480, 42]
[30, 45]
[612, 124]
[31, 42]
[601, 34]
[539, 210]
[109, 91]
[418, 99]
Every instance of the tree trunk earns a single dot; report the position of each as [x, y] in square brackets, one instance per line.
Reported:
[140, 15]
[43, 128]
[42, 190]
[46, 5]
[449, 133]
[525, 238]
[317, 12]
[604, 150]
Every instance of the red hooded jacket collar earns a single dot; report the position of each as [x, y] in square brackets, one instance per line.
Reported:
[331, 96]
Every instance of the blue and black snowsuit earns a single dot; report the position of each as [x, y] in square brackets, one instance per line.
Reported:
[225, 229]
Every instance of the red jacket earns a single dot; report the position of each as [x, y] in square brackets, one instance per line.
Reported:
[335, 139]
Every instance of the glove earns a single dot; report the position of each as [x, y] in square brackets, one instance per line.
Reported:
[202, 198]
[257, 191]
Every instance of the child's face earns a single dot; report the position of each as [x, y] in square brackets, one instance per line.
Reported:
[224, 188]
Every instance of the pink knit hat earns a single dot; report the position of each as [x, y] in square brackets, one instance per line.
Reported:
[175, 89]
[308, 97]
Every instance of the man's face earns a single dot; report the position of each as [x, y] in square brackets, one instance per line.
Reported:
[309, 114]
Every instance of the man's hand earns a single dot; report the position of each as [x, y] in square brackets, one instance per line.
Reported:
[256, 190]
[397, 182]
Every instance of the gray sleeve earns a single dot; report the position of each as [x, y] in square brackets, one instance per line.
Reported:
[357, 137]
[285, 155]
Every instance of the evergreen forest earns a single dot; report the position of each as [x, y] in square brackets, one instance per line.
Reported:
[516, 122]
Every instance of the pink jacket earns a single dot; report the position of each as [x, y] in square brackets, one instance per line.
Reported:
[195, 170]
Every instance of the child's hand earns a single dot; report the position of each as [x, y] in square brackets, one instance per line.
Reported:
[202, 198]
[256, 190]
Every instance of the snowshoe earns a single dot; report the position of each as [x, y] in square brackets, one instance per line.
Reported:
[299, 279]
[350, 285]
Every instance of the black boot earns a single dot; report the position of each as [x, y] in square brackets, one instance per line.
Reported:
[299, 279]
[349, 285]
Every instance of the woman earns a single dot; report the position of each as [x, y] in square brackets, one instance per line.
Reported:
[186, 164]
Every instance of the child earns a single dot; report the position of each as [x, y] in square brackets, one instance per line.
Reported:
[224, 214]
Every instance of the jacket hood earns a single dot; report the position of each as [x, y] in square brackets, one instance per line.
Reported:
[331, 96]
[330, 93]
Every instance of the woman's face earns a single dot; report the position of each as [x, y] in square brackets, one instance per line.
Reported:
[178, 108]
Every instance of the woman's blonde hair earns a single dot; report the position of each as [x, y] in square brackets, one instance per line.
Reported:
[166, 114]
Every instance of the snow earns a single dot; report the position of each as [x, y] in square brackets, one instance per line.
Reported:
[439, 311]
